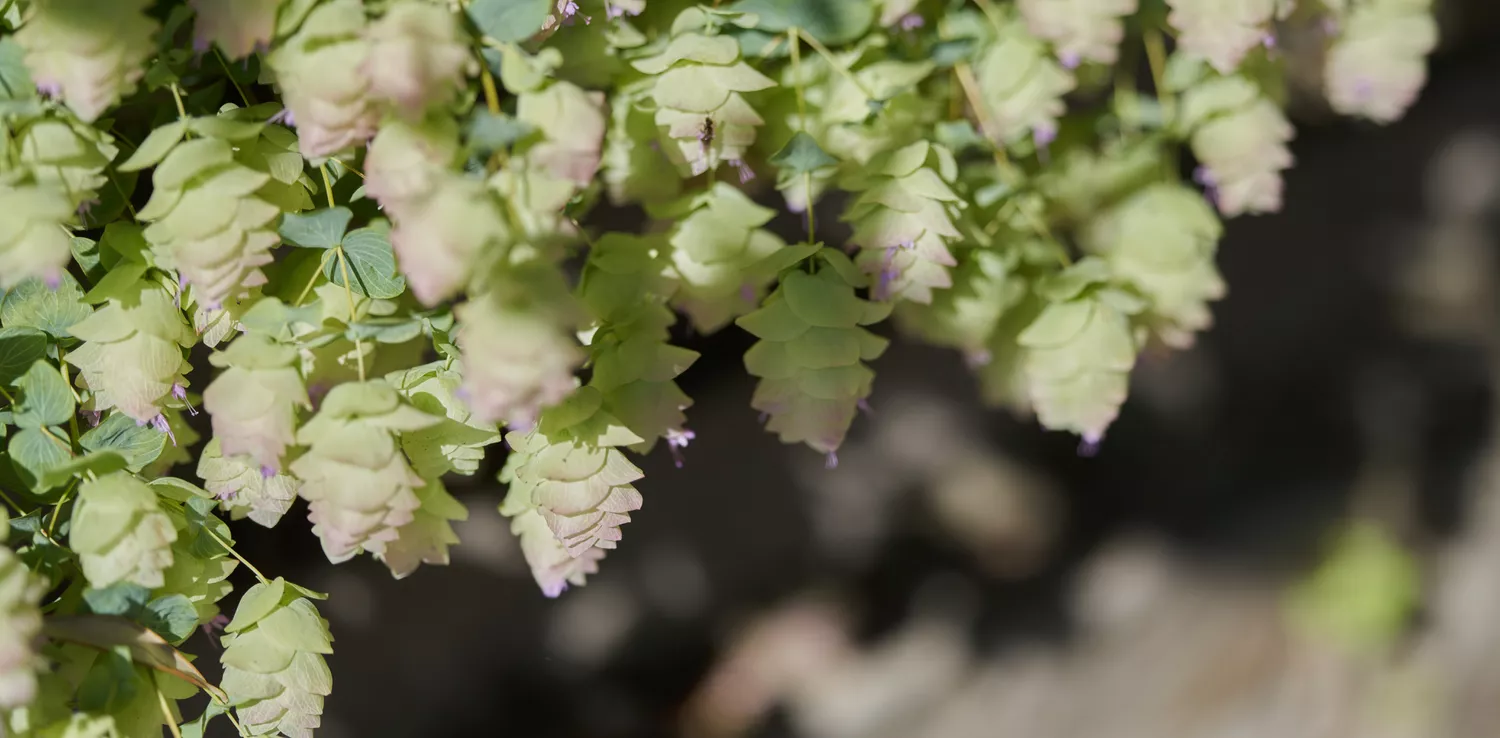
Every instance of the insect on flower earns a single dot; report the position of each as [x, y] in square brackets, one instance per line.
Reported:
[706, 133]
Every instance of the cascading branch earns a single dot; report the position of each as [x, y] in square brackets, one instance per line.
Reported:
[374, 225]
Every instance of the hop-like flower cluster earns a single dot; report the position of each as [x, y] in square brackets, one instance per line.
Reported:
[1221, 32]
[244, 488]
[90, 54]
[1022, 85]
[634, 169]
[238, 27]
[207, 222]
[131, 358]
[20, 624]
[119, 532]
[903, 221]
[64, 155]
[571, 121]
[274, 671]
[698, 81]
[717, 239]
[633, 365]
[1081, 30]
[1240, 137]
[1161, 241]
[318, 70]
[33, 240]
[570, 473]
[355, 477]
[254, 401]
[518, 357]
[418, 56]
[812, 352]
[443, 220]
[425, 540]
[1378, 63]
[1079, 352]
[457, 443]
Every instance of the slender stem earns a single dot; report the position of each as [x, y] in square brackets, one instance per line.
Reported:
[359, 353]
[177, 98]
[321, 265]
[970, 86]
[236, 554]
[8, 396]
[62, 367]
[327, 185]
[166, 712]
[837, 66]
[230, 74]
[793, 34]
[230, 714]
[52, 524]
[10, 502]
[487, 81]
[1156, 54]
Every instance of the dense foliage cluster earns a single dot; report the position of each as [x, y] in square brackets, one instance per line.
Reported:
[367, 223]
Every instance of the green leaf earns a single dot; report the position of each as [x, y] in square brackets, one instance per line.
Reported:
[86, 253]
[45, 398]
[110, 684]
[97, 462]
[258, 602]
[20, 347]
[119, 282]
[124, 599]
[833, 22]
[320, 229]
[106, 632]
[488, 132]
[172, 617]
[32, 304]
[34, 455]
[371, 265]
[802, 155]
[139, 445]
[199, 727]
[126, 239]
[509, 21]
[155, 147]
[15, 80]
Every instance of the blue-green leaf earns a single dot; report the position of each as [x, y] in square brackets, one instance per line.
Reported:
[139, 445]
[371, 265]
[802, 155]
[32, 304]
[173, 617]
[45, 398]
[20, 347]
[320, 229]
[833, 22]
[34, 454]
[509, 21]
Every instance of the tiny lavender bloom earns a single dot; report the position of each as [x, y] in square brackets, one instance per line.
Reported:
[743, 169]
[266, 471]
[911, 22]
[1069, 59]
[678, 440]
[160, 423]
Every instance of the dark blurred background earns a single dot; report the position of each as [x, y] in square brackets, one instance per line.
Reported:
[963, 573]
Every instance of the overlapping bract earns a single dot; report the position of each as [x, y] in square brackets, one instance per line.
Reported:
[698, 87]
[238, 27]
[812, 352]
[569, 477]
[634, 367]
[1079, 352]
[717, 239]
[1378, 63]
[318, 71]
[34, 243]
[1080, 30]
[89, 54]
[274, 671]
[244, 488]
[1240, 137]
[21, 591]
[1221, 32]
[254, 401]
[360, 487]
[1161, 241]
[903, 221]
[425, 540]
[120, 532]
[457, 443]
[518, 357]
[417, 56]
[1022, 86]
[206, 221]
[200, 566]
[132, 358]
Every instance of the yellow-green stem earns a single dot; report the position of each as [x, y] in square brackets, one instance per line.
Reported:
[166, 712]
[225, 544]
[230, 74]
[1156, 55]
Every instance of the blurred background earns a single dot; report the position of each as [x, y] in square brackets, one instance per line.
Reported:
[1293, 530]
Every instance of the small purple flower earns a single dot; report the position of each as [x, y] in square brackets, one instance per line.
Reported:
[614, 11]
[743, 169]
[179, 392]
[569, 9]
[977, 359]
[267, 471]
[1268, 40]
[53, 280]
[831, 461]
[1330, 26]
[49, 88]
[200, 44]
[864, 406]
[227, 495]
[551, 590]
[1069, 59]
[677, 440]
[215, 625]
[883, 285]
[747, 292]
[1088, 446]
[911, 22]
[160, 423]
[284, 117]
[1043, 136]
[1210, 184]
[93, 417]
[763, 418]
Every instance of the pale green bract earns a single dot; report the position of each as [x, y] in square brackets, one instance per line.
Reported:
[386, 234]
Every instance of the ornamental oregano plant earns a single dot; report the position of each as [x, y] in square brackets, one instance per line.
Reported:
[367, 223]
